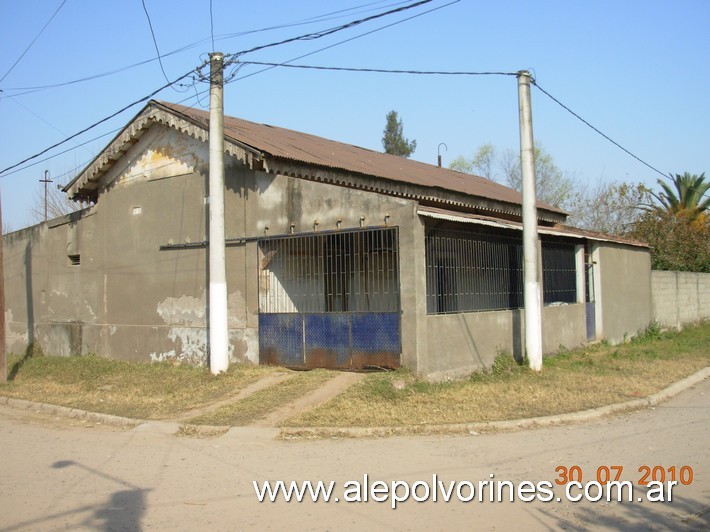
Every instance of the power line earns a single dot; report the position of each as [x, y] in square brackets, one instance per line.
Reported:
[350, 39]
[92, 126]
[309, 36]
[197, 95]
[61, 153]
[324, 33]
[382, 71]
[212, 25]
[155, 42]
[33, 41]
[595, 129]
[320, 18]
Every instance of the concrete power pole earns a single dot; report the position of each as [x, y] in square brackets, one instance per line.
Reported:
[217, 316]
[3, 359]
[531, 272]
[46, 181]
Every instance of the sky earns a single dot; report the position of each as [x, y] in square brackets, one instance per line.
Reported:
[636, 70]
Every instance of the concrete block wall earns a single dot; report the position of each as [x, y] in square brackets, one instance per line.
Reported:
[679, 298]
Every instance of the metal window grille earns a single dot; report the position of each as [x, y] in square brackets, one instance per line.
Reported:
[559, 273]
[469, 272]
[472, 272]
[344, 271]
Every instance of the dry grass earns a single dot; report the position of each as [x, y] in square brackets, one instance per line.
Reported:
[263, 402]
[130, 389]
[570, 381]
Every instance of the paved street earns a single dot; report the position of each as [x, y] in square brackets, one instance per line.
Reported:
[59, 474]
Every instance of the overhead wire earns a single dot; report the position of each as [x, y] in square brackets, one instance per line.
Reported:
[320, 18]
[585, 122]
[33, 40]
[324, 33]
[309, 36]
[382, 70]
[157, 50]
[92, 126]
[349, 39]
[212, 25]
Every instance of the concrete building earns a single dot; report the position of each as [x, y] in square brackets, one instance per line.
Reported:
[337, 256]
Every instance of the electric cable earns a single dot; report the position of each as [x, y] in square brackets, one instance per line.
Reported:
[319, 18]
[92, 126]
[382, 70]
[33, 41]
[350, 39]
[558, 102]
[198, 70]
[324, 33]
[212, 25]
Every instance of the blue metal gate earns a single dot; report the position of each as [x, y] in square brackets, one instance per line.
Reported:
[330, 300]
[330, 340]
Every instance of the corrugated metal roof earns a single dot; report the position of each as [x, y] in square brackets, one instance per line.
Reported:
[295, 153]
[313, 150]
[557, 230]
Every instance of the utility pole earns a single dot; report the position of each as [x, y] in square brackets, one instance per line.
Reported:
[46, 181]
[3, 359]
[217, 316]
[531, 272]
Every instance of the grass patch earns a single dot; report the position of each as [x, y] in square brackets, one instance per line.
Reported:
[570, 381]
[263, 402]
[130, 389]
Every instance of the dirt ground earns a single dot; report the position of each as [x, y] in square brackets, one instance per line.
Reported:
[62, 474]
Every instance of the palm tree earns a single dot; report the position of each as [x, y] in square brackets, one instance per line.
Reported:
[688, 197]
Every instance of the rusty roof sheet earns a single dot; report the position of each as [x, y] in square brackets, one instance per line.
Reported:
[555, 230]
[313, 150]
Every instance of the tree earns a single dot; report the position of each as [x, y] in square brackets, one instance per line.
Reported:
[688, 196]
[552, 185]
[677, 227]
[482, 164]
[610, 208]
[393, 139]
[677, 242]
[58, 204]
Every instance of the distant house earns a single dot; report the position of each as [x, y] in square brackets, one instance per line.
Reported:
[337, 257]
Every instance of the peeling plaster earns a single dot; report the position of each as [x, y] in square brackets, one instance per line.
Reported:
[186, 318]
[11, 337]
[184, 310]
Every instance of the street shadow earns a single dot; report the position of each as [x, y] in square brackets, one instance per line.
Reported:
[30, 351]
[683, 513]
[123, 511]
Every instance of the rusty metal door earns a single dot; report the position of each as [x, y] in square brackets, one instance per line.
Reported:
[330, 340]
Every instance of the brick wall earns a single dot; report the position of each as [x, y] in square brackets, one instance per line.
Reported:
[680, 297]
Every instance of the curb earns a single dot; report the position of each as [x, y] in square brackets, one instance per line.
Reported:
[495, 426]
[73, 413]
[380, 432]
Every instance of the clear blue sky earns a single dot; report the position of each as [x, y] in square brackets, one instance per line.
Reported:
[638, 70]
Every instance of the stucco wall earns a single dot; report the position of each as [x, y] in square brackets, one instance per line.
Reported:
[130, 300]
[680, 297]
[459, 344]
[624, 292]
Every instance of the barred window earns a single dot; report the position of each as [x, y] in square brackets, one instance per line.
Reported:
[559, 273]
[344, 271]
[472, 272]
[480, 271]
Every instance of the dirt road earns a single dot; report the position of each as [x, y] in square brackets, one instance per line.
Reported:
[58, 475]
